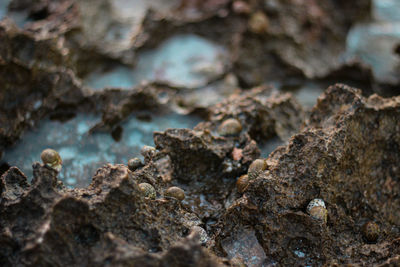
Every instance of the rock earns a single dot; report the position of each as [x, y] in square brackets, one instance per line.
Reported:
[344, 151]
[244, 245]
[337, 156]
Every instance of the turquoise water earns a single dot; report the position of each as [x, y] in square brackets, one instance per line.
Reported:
[308, 93]
[20, 18]
[386, 10]
[116, 77]
[374, 42]
[183, 60]
[3, 8]
[83, 153]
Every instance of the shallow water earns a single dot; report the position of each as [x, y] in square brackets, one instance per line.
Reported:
[116, 77]
[83, 153]
[308, 93]
[3, 8]
[374, 42]
[183, 60]
[386, 10]
[20, 18]
[269, 146]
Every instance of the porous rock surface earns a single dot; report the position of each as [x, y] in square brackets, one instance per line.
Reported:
[346, 154]
[109, 223]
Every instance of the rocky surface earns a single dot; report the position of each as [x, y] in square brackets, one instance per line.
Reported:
[347, 155]
[344, 151]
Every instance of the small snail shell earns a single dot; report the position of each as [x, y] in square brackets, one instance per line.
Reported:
[148, 190]
[51, 158]
[175, 192]
[317, 210]
[256, 168]
[134, 163]
[258, 23]
[242, 183]
[230, 127]
[370, 231]
[202, 234]
[148, 152]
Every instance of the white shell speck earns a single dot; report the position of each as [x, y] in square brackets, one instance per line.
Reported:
[317, 202]
[202, 234]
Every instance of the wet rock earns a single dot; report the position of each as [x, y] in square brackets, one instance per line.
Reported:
[13, 185]
[33, 82]
[192, 152]
[263, 113]
[297, 57]
[337, 157]
[86, 219]
[345, 151]
[244, 245]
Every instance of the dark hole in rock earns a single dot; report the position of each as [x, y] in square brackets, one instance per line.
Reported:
[117, 133]
[397, 50]
[4, 166]
[87, 235]
[39, 14]
[62, 116]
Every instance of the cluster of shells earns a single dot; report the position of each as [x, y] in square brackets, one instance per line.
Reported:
[316, 208]
[52, 159]
[257, 167]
